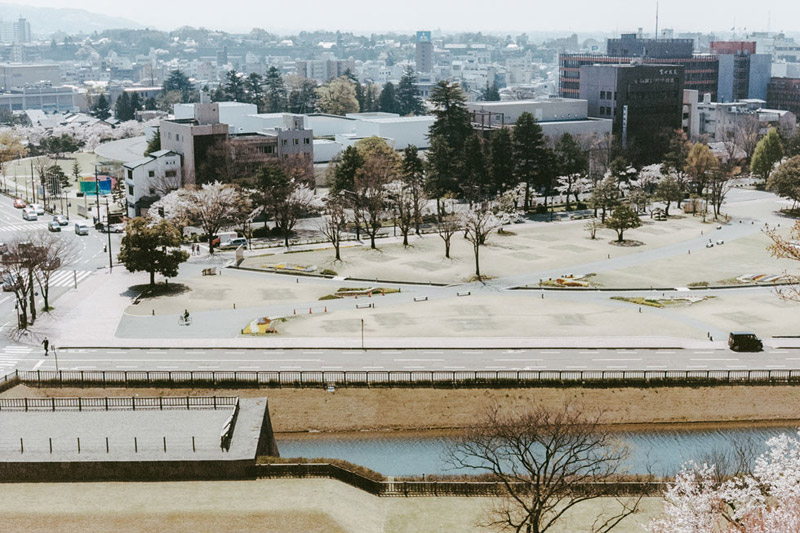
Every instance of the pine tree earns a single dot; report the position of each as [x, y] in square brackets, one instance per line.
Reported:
[490, 93]
[387, 102]
[501, 161]
[136, 104]
[529, 153]
[275, 92]
[408, 100]
[122, 108]
[234, 86]
[101, 109]
[253, 84]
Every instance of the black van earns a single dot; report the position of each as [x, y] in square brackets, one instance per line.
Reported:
[744, 341]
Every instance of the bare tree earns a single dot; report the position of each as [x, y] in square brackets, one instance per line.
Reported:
[369, 203]
[402, 199]
[548, 460]
[334, 222]
[786, 248]
[52, 254]
[448, 225]
[745, 134]
[592, 226]
[478, 222]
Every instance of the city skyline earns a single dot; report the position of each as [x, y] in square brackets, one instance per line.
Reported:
[616, 16]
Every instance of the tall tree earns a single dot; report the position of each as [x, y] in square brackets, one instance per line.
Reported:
[491, 93]
[408, 99]
[215, 206]
[342, 171]
[767, 154]
[152, 248]
[334, 221]
[282, 197]
[275, 97]
[478, 222]
[122, 108]
[234, 86]
[668, 191]
[136, 104]
[337, 97]
[475, 182]
[381, 167]
[177, 81]
[785, 181]
[303, 98]
[530, 157]
[448, 135]
[387, 101]
[573, 165]
[413, 172]
[501, 160]
[675, 159]
[623, 218]
[253, 85]
[699, 164]
[101, 109]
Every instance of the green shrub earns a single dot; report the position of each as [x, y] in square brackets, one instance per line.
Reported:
[581, 206]
[329, 272]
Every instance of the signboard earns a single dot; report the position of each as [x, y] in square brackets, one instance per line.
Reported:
[89, 186]
[625, 126]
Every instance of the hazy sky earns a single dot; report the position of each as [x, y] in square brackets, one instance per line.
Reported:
[452, 15]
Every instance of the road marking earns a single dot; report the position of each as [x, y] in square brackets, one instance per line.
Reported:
[127, 366]
[413, 367]
[291, 367]
[665, 353]
[116, 351]
[313, 353]
[616, 367]
[7, 298]
[288, 360]
[662, 367]
[696, 367]
[208, 366]
[612, 360]
[433, 353]
[549, 353]
[515, 360]
[703, 353]
[155, 352]
[418, 360]
[38, 364]
[773, 351]
[775, 366]
[372, 367]
[716, 359]
[166, 367]
[330, 368]
[249, 367]
[195, 353]
[392, 353]
[627, 351]
[234, 353]
[452, 368]
[736, 366]
[576, 367]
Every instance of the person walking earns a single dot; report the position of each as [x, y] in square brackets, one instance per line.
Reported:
[46, 344]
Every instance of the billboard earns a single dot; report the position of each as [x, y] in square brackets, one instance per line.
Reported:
[423, 36]
[89, 187]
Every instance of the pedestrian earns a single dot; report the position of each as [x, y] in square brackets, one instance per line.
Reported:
[46, 344]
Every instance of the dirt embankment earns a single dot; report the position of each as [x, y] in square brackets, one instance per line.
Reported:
[299, 410]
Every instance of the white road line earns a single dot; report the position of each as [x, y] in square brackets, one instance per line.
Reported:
[616, 367]
[696, 367]
[330, 368]
[662, 367]
[736, 367]
[775, 366]
[7, 298]
[392, 353]
[249, 367]
[418, 360]
[127, 366]
[613, 360]
[716, 359]
[433, 353]
[576, 367]
[195, 353]
[234, 353]
[372, 367]
[549, 353]
[453, 367]
[665, 353]
[291, 367]
[313, 353]
[292, 360]
[166, 367]
[589, 353]
[413, 367]
[773, 351]
[515, 360]
[703, 353]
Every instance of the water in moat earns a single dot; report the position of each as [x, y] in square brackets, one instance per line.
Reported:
[660, 452]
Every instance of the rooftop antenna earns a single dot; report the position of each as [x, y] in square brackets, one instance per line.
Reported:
[656, 20]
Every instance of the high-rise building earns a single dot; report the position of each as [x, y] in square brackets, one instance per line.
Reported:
[424, 52]
[15, 32]
[701, 71]
[643, 100]
[784, 93]
[743, 74]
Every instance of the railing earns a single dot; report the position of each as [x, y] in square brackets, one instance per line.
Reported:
[438, 488]
[8, 381]
[117, 403]
[403, 378]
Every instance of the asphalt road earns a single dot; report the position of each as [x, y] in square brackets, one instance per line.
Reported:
[495, 359]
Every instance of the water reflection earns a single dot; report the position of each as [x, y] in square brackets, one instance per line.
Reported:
[407, 454]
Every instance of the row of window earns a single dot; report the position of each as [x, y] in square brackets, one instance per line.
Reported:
[608, 95]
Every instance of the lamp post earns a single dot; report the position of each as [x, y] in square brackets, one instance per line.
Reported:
[108, 232]
[55, 354]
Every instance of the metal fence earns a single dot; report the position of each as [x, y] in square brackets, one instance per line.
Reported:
[117, 403]
[403, 378]
[437, 488]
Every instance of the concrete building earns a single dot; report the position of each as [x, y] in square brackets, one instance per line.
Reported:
[424, 52]
[642, 100]
[19, 75]
[690, 121]
[48, 99]
[201, 138]
[723, 121]
[556, 116]
[743, 74]
[784, 93]
[17, 32]
[323, 70]
[149, 179]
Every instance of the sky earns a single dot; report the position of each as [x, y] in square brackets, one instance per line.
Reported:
[496, 16]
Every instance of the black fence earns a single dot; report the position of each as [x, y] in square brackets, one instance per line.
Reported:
[117, 403]
[439, 488]
[400, 378]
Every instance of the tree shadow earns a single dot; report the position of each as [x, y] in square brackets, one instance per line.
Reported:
[145, 291]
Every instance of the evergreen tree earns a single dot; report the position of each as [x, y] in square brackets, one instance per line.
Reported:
[152, 248]
[370, 98]
[234, 86]
[408, 100]
[136, 103]
[342, 172]
[304, 98]
[501, 161]
[573, 163]
[275, 95]
[768, 152]
[490, 93]
[154, 144]
[413, 171]
[177, 81]
[529, 155]
[151, 104]
[122, 108]
[387, 102]
[101, 109]
[448, 135]
[474, 183]
[253, 84]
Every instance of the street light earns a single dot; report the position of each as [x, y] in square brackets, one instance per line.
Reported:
[55, 354]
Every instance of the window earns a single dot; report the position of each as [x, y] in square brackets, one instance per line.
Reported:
[296, 141]
[284, 142]
[602, 95]
[152, 190]
[306, 141]
[171, 173]
[151, 174]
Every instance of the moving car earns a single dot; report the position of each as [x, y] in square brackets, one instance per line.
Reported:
[29, 214]
[223, 237]
[39, 208]
[19, 203]
[53, 226]
[61, 219]
[233, 243]
[744, 341]
[81, 228]
[10, 282]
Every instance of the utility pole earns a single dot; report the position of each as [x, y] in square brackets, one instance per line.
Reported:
[33, 183]
[97, 192]
[108, 232]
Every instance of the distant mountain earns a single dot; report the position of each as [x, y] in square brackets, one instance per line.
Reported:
[47, 20]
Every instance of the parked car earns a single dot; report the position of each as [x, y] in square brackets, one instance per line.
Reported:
[744, 341]
[19, 203]
[29, 214]
[10, 282]
[3, 248]
[39, 208]
[61, 219]
[53, 226]
[233, 243]
[81, 228]
[116, 228]
[223, 237]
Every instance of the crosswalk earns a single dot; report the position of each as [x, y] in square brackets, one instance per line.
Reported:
[10, 356]
[24, 226]
[68, 278]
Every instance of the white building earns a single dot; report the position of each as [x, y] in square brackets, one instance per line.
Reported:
[149, 179]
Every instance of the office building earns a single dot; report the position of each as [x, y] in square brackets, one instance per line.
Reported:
[18, 32]
[424, 52]
[743, 74]
[642, 101]
[784, 93]
[18, 75]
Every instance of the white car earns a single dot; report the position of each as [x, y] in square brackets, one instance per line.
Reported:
[29, 214]
[39, 208]
[81, 228]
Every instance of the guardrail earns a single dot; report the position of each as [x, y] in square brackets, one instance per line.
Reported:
[403, 378]
[8, 381]
[117, 403]
[438, 488]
